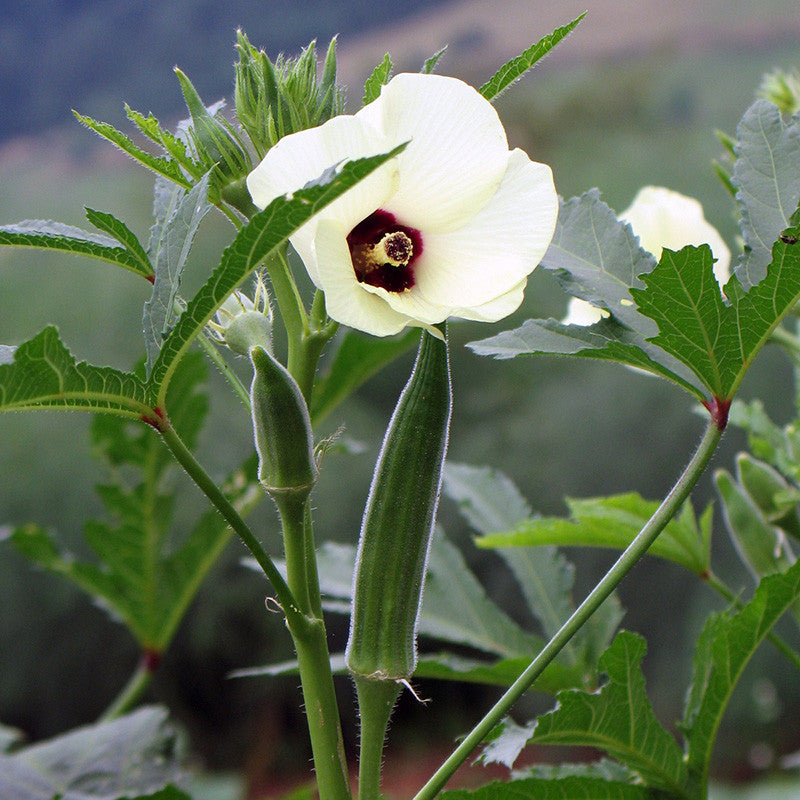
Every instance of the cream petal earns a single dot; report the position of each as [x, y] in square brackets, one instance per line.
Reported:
[495, 309]
[304, 156]
[499, 247]
[345, 298]
[661, 218]
[457, 152]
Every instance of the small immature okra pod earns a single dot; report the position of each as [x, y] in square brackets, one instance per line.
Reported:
[282, 428]
[398, 522]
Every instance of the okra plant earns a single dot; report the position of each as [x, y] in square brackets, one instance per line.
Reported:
[364, 234]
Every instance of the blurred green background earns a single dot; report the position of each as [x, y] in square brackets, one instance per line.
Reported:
[631, 98]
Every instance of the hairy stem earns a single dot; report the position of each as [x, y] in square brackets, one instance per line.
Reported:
[195, 471]
[135, 687]
[637, 548]
[376, 700]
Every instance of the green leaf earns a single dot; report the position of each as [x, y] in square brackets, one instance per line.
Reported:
[48, 235]
[766, 175]
[255, 242]
[378, 78]
[718, 342]
[430, 63]
[124, 235]
[173, 145]
[143, 576]
[171, 240]
[596, 258]
[614, 522]
[762, 547]
[568, 788]
[357, 359]
[513, 70]
[455, 607]
[44, 374]
[132, 756]
[158, 164]
[618, 720]
[731, 641]
[491, 502]
[487, 498]
[606, 340]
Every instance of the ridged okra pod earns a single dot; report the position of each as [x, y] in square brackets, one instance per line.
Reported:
[282, 428]
[398, 522]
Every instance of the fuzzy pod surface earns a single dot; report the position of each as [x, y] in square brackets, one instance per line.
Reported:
[282, 429]
[398, 522]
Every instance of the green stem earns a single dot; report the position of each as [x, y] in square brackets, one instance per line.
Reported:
[637, 548]
[290, 304]
[131, 692]
[195, 471]
[212, 351]
[376, 700]
[322, 711]
[292, 511]
[719, 586]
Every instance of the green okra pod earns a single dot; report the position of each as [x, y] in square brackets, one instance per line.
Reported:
[282, 428]
[398, 522]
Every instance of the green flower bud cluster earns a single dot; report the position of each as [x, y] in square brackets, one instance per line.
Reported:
[216, 145]
[276, 99]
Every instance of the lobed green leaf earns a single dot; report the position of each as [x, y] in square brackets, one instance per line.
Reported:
[729, 642]
[161, 166]
[491, 502]
[377, 79]
[766, 176]
[614, 522]
[44, 374]
[718, 341]
[48, 235]
[513, 70]
[618, 720]
[146, 579]
[134, 756]
[596, 258]
[262, 236]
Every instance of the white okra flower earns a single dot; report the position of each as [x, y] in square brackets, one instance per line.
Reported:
[451, 227]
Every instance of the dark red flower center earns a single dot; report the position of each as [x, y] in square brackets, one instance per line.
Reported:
[383, 251]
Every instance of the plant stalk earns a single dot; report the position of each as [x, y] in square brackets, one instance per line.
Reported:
[376, 700]
[195, 471]
[637, 548]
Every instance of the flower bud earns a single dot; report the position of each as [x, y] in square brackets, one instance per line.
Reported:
[275, 99]
[243, 323]
[212, 139]
[782, 89]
